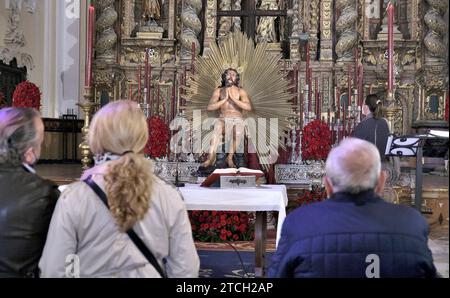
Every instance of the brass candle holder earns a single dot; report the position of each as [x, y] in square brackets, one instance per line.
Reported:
[87, 105]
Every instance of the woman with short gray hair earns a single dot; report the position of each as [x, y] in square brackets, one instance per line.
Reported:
[27, 200]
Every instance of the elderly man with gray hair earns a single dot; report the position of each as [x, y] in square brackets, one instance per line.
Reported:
[355, 233]
[26, 200]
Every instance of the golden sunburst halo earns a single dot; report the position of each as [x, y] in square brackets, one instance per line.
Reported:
[261, 77]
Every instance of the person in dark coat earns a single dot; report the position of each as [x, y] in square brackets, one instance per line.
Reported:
[373, 128]
[355, 233]
[26, 200]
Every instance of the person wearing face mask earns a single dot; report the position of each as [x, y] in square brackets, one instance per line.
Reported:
[27, 201]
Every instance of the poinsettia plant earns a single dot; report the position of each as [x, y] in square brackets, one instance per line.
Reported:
[27, 95]
[218, 226]
[316, 141]
[158, 137]
[305, 197]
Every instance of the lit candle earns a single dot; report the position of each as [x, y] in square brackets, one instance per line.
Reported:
[90, 46]
[316, 97]
[172, 98]
[301, 110]
[390, 13]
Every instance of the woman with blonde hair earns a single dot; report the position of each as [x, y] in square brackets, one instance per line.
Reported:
[140, 214]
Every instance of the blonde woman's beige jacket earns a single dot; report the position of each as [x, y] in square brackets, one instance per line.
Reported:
[84, 240]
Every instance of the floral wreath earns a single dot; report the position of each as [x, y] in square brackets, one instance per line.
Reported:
[316, 141]
[27, 95]
[158, 137]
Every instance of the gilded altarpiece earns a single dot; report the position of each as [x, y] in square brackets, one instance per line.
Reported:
[341, 35]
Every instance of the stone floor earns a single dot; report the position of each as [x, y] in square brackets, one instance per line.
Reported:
[438, 243]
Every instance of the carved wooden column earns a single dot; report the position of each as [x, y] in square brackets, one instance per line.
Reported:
[297, 29]
[172, 19]
[346, 29]
[326, 41]
[128, 23]
[314, 27]
[108, 75]
[191, 27]
[106, 36]
[436, 30]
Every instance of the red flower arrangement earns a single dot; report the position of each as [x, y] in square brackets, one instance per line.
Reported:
[217, 226]
[27, 95]
[316, 141]
[306, 197]
[158, 137]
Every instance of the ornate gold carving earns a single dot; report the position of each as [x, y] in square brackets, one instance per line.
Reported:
[265, 30]
[211, 19]
[326, 19]
[369, 57]
[237, 20]
[326, 38]
[225, 22]
[314, 24]
[106, 36]
[414, 16]
[408, 57]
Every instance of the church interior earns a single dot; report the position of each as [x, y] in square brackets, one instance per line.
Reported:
[309, 65]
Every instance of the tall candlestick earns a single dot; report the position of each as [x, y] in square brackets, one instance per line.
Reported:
[338, 104]
[301, 110]
[390, 13]
[310, 89]
[295, 85]
[90, 46]
[316, 97]
[158, 94]
[130, 93]
[307, 74]
[146, 70]
[360, 85]
[150, 93]
[193, 58]
[349, 85]
[172, 98]
[139, 82]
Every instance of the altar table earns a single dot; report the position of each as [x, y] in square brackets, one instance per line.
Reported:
[258, 199]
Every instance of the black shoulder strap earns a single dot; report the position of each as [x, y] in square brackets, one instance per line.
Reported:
[132, 234]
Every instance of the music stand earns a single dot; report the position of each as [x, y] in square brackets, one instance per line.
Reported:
[412, 146]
